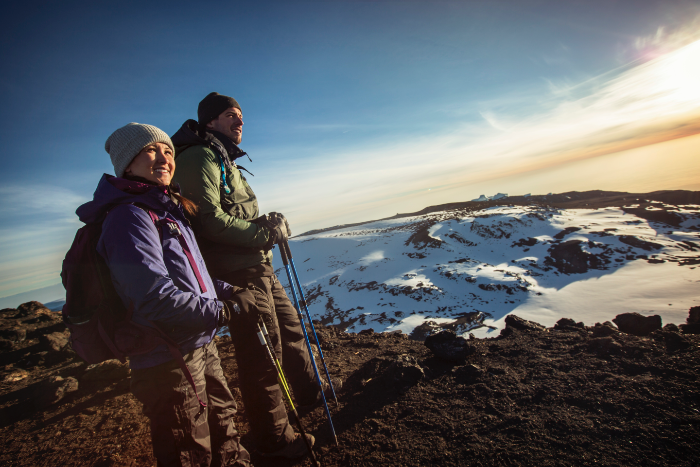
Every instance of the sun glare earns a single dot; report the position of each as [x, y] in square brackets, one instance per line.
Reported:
[678, 74]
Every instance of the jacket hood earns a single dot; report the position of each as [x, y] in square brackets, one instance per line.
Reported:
[190, 135]
[112, 191]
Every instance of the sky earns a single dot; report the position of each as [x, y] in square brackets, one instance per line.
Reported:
[353, 110]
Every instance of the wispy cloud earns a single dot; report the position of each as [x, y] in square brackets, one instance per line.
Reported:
[640, 104]
[33, 199]
[667, 39]
[38, 224]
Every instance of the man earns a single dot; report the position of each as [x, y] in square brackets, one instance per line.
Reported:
[236, 244]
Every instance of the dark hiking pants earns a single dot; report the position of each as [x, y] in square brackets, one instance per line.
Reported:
[261, 394]
[184, 433]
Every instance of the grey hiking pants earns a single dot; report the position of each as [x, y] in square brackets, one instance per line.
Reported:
[261, 394]
[184, 433]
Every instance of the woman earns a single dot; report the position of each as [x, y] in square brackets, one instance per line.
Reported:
[158, 272]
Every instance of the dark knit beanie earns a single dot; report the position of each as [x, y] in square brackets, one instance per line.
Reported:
[214, 105]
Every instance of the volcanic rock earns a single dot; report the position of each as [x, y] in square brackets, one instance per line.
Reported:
[675, 342]
[405, 371]
[54, 342]
[520, 324]
[636, 324]
[568, 323]
[670, 327]
[639, 243]
[604, 345]
[17, 375]
[52, 390]
[31, 308]
[605, 329]
[449, 346]
[570, 258]
[692, 325]
[109, 370]
[14, 333]
[693, 315]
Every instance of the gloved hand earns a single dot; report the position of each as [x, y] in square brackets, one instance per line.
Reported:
[282, 222]
[246, 307]
[278, 226]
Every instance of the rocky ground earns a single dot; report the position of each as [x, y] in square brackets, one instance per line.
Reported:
[568, 395]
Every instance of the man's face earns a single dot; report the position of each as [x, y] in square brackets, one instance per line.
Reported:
[230, 123]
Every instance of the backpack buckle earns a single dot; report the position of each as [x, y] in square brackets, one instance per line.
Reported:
[174, 229]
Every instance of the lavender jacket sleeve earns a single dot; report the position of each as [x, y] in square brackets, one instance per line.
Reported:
[223, 289]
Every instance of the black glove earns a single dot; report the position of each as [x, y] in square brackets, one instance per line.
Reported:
[246, 307]
[278, 226]
[282, 222]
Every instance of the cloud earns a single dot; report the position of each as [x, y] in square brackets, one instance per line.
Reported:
[639, 104]
[492, 120]
[666, 39]
[38, 224]
[38, 199]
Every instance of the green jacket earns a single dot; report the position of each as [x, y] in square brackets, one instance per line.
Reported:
[226, 238]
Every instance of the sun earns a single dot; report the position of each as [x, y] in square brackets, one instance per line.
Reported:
[678, 74]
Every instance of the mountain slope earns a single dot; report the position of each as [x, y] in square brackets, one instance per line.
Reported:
[478, 263]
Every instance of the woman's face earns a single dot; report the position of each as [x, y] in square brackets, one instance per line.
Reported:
[155, 163]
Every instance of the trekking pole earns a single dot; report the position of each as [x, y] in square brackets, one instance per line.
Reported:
[288, 252]
[285, 260]
[282, 380]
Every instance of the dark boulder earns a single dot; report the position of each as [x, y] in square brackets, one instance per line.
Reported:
[31, 308]
[605, 329]
[449, 346]
[405, 371]
[568, 324]
[636, 324]
[517, 323]
[670, 327]
[692, 325]
[693, 315]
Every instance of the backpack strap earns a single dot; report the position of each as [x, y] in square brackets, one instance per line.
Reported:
[174, 230]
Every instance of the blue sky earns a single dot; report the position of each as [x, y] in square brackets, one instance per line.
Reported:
[353, 110]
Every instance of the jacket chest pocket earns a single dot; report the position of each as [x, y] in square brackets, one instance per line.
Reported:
[241, 202]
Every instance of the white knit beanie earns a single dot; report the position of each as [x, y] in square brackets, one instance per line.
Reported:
[125, 144]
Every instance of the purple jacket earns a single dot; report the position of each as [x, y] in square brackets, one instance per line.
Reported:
[155, 277]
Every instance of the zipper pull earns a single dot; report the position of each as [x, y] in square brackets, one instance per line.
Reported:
[174, 229]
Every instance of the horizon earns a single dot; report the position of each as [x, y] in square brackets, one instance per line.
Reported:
[353, 110]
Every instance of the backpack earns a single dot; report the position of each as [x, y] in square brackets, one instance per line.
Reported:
[100, 325]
